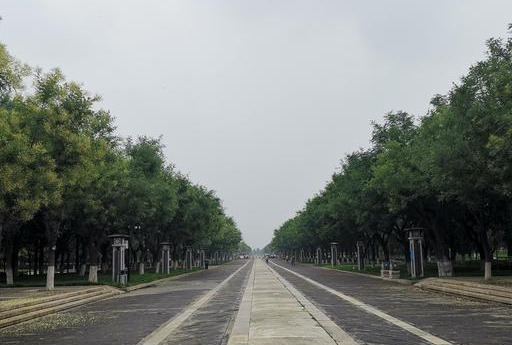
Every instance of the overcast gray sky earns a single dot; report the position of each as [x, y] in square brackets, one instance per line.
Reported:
[258, 99]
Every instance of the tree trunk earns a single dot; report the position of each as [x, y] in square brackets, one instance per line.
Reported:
[487, 253]
[93, 264]
[83, 259]
[444, 266]
[67, 261]
[141, 268]
[77, 253]
[93, 274]
[50, 272]
[51, 229]
[15, 258]
[488, 270]
[9, 267]
[38, 258]
[1, 229]
[61, 262]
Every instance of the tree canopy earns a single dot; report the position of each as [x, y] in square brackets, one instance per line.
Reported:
[67, 181]
[448, 172]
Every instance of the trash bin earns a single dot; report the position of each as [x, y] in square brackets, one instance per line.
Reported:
[206, 262]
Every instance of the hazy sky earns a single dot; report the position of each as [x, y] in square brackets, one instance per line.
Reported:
[258, 99]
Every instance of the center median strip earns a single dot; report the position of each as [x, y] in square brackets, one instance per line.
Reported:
[374, 311]
[337, 334]
[162, 332]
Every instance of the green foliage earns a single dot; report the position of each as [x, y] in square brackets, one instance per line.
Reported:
[65, 173]
[450, 173]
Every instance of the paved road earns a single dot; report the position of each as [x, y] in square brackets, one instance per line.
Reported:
[455, 320]
[248, 302]
[129, 318]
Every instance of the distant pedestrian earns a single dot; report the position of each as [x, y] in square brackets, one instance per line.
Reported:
[293, 260]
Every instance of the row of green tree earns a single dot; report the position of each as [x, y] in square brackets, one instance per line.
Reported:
[67, 181]
[449, 172]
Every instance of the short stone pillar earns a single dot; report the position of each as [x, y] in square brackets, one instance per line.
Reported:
[415, 236]
[119, 270]
[334, 253]
[318, 257]
[360, 255]
[166, 257]
[189, 258]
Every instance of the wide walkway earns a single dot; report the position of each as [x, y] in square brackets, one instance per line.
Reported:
[386, 313]
[195, 309]
[250, 302]
[271, 314]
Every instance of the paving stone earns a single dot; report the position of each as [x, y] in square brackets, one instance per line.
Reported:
[123, 320]
[458, 320]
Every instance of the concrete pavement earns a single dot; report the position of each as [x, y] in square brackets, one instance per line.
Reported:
[129, 318]
[273, 313]
[380, 312]
[249, 302]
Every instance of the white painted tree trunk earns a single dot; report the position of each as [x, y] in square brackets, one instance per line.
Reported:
[9, 276]
[141, 268]
[445, 268]
[93, 274]
[488, 270]
[83, 268]
[157, 269]
[50, 278]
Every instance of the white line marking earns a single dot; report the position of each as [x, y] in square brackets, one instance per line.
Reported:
[337, 334]
[372, 310]
[162, 332]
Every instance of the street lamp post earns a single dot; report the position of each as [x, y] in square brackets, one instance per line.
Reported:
[415, 236]
[334, 253]
[166, 249]
[119, 246]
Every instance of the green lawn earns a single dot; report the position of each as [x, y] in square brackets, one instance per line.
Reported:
[70, 279]
[468, 269]
[369, 269]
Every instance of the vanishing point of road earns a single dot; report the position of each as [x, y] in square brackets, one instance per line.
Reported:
[252, 302]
